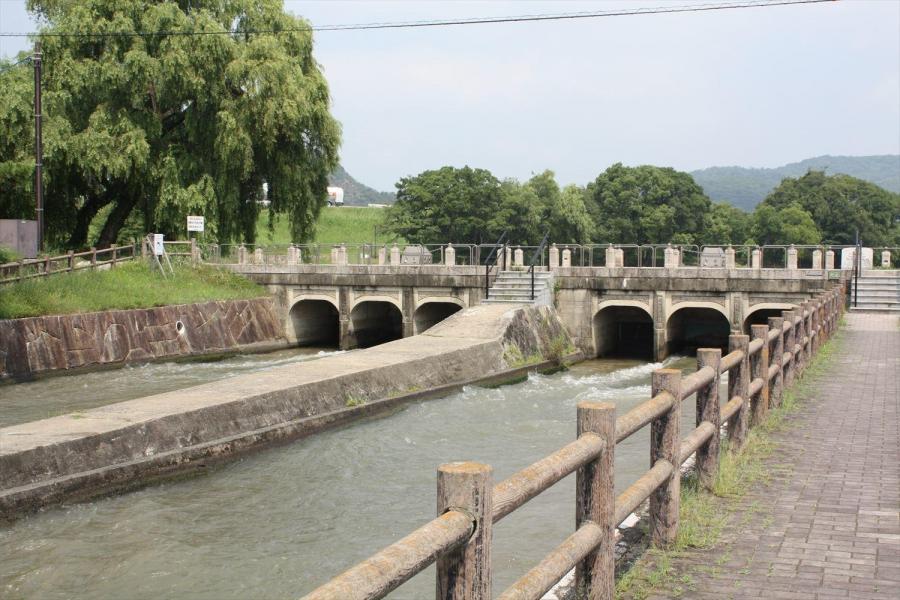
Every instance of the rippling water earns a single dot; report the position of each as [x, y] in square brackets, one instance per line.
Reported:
[280, 522]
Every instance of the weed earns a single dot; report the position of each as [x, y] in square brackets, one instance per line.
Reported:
[354, 401]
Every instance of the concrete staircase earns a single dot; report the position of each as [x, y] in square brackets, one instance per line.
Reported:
[878, 291]
[514, 287]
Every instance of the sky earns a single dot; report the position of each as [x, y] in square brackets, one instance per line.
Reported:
[756, 87]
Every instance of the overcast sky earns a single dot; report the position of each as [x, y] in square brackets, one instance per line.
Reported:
[752, 87]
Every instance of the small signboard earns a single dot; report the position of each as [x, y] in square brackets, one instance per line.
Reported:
[158, 248]
[195, 223]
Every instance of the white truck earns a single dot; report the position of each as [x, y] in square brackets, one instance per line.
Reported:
[335, 196]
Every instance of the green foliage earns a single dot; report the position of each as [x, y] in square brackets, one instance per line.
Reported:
[7, 255]
[348, 224]
[166, 126]
[839, 205]
[646, 204]
[130, 285]
[788, 225]
[726, 225]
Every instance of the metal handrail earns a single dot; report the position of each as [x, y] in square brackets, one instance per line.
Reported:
[488, 267]
[537, 253]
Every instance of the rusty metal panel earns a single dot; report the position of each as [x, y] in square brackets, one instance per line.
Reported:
[20, 236]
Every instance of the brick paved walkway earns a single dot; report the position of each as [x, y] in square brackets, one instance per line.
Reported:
[827, 525]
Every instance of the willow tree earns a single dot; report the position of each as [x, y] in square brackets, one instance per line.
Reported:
[150, 107]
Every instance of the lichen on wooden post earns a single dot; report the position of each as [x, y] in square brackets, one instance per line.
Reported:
[708, 410]
[760, 370]
[596, 502]
[776, 392]
[664, 445]
[465, 573]
[739, 385]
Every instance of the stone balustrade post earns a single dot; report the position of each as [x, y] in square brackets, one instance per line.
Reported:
[620, 257]
[817, 259]
[610, 257]
[886, 259]
[730, 262]
[518, 257]
[382, 255]
[554, 256]
[829, 260]
[669, 257]
[395, 256]
[792, 258]
[508, 257]
[450, 255]
[259, 257]
[566, 257]
[242, 254]
[755, 259]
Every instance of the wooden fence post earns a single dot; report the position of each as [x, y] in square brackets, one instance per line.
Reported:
[465, 573]
[115, 251]
[93, 257]
[22, 269]
[595, 576]
[71, 255]
[788, 316]
[776, 392]
[739, 385]
[664, 445]
[760, 370]
[708, 410]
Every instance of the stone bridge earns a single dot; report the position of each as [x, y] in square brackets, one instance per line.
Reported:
[647, 312]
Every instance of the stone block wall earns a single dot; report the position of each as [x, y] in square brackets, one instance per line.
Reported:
[38, 345]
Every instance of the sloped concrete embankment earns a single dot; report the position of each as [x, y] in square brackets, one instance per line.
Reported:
[124, 445]
[42, 345]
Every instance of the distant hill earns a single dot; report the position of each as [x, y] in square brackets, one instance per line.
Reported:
[356, 193]
[745, 188]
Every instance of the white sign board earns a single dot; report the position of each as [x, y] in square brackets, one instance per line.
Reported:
[194, 223]
[158, 248]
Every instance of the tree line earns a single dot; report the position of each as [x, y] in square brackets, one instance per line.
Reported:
[638, 205]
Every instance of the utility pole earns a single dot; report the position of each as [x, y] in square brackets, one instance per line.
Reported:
[38, 149]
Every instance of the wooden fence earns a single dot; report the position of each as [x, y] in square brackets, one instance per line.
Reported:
[30, 268]
[759, 367]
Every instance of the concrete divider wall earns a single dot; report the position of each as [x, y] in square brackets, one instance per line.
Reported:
[37, 345]
[125, 444]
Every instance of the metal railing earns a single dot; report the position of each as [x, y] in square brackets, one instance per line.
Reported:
[499, 249]
[759, 368]
[30, 268]
[538, 254]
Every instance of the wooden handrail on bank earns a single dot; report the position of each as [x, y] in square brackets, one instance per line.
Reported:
[459, 539]
[29, 268]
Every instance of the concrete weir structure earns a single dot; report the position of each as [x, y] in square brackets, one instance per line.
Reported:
[124, 445]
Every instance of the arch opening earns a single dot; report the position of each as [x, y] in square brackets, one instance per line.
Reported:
[314, 323]
[692, 327]
[623, 331]
[761, 317]
[431, 313]
[374, 322]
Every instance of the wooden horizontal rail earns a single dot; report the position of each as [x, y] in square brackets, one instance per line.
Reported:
[773, 335]
[730, 408]
[755, 347]
[731, 360]
[774, 370]
[628, 501]
[755, 386]
[513, 492]
[786, 358]
[642, 414]
[694, 440]
[540, 579]
[697, 380]
[383, 572]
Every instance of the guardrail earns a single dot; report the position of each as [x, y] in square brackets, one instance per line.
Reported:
[759, 367]
[31, 268]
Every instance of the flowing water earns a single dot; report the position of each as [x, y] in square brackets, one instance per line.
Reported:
[280, 522]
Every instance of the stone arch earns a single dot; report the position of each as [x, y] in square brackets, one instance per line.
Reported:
[623, 328]
[313, 322]
[759, 314]
[374, 322]
[431, 312]
[697, 325]
[360, 299]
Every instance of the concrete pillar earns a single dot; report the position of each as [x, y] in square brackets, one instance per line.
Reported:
[886, 259]
[676, 258]
[729, 258]
[449, 255]
[817, 259]
[242, 254]
[508, 253]
[660, 345]
[566, 258]
[620, 257]
[518, 257]
[610, 257]
[792, 258]
[395, 255]
[669, 257]
[259, 256]
[294, 257]
[829, 260]
[342, 255]
[334, 255]
[382, 255]
[554, 256]
[755, 259]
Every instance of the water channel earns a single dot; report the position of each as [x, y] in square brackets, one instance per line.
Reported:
[280, 522]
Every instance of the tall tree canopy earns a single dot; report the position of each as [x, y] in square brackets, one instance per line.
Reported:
[646, 204]
[170, 125]
[839, 205]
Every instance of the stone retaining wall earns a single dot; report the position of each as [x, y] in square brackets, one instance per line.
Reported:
[37, 345]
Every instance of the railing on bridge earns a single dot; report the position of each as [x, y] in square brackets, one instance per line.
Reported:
[459, 539]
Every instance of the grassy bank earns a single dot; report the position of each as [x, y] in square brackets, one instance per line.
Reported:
[704, 515]
[131, 285]
[349, 224]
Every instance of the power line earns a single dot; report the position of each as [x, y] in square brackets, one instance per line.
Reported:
[15, 64]
[436, 23]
